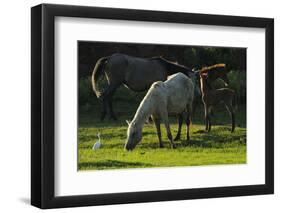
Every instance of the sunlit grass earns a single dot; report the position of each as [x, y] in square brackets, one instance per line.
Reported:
[217, 147]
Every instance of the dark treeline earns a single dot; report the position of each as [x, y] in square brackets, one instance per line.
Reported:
[190, 56]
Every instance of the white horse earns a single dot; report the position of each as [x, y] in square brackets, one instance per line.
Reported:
[174, 96]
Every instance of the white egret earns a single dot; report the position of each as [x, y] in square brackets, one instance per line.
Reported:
[97, 145]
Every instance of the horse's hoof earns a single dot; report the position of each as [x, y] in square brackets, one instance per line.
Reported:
[173, 146]
[161, 146]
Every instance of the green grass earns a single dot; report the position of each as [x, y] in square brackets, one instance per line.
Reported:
[217, 147]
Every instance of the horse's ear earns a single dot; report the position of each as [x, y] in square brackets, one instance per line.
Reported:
[128, 122]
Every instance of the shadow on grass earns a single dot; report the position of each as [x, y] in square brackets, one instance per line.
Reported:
[214, 138]
[201, 138]
[181, 144]
[112, 164]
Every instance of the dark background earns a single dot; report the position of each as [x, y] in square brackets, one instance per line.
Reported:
[190, 56]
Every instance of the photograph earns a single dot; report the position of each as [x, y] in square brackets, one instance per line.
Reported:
[146, 105]
[141, 105]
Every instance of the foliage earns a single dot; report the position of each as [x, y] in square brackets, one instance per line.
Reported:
[234, 58]
[85, 91]
[237, 81]
[190, 56]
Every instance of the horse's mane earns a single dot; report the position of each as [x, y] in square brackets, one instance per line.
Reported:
[174, 66]
[156, 58]
[207, 69]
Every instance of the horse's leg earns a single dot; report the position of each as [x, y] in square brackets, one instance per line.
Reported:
[108, 94]
[229, 108]
[169, 134]
[167, 126]
[209, 119]
[212, 112]
[111, 112]
[206, 117]
[209, 123]
[180, 120]
[209, 110]
[188, 121]
[158, 129]
[104, 109]
[233, 121]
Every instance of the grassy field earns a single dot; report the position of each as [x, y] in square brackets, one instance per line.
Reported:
[217, 147]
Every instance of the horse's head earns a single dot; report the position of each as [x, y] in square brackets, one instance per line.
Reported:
[134, 136]
[217, 71]
[196, 73]
[195, 77]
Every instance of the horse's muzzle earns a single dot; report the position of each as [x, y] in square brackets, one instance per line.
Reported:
[128, 147]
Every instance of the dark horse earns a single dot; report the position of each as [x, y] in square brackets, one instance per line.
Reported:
[137, 74]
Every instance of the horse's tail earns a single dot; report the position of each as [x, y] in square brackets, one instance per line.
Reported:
[235, 102]
[98, 71]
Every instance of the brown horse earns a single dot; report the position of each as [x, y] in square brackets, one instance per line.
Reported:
[214, 72]
[213, 97]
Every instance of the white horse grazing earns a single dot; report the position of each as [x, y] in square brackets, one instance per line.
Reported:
[174, 96]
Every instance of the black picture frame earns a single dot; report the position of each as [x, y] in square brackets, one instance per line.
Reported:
[43, 117]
